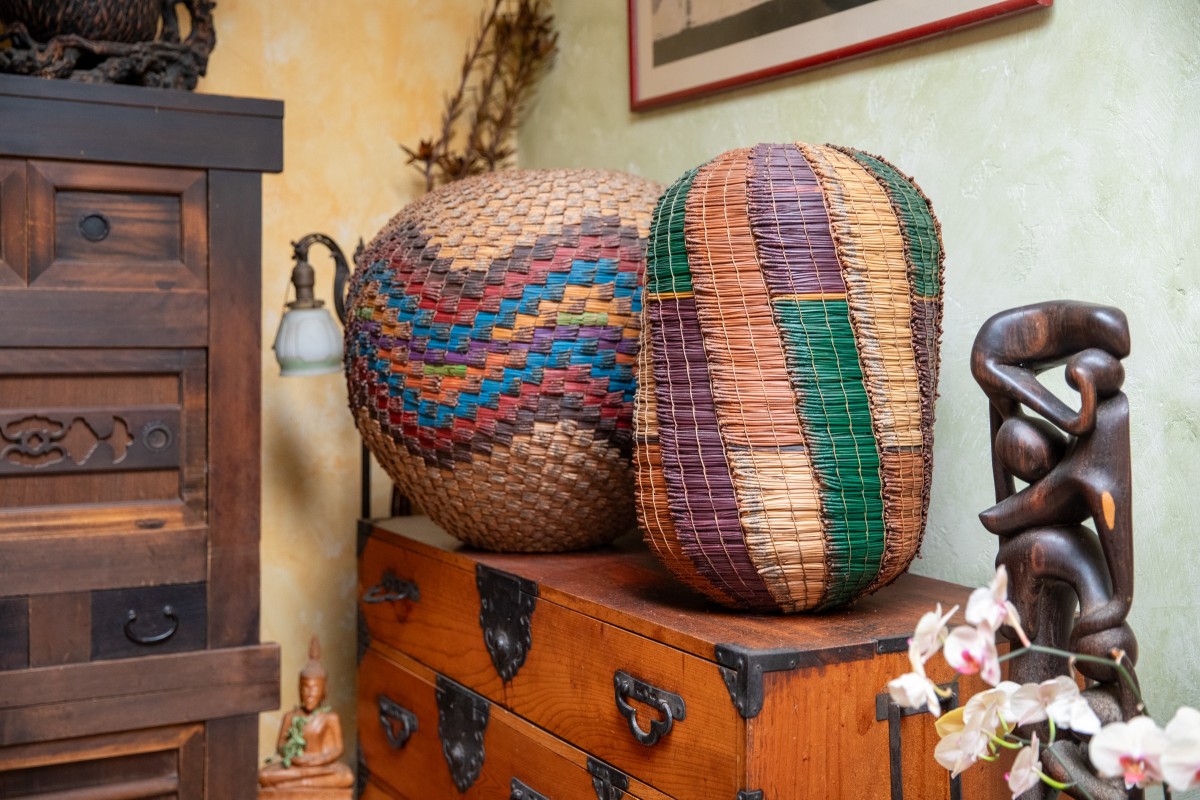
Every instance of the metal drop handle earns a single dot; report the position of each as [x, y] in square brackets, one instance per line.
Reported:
[399, 724]
[154, 638]
[668, 704]
[391, 589]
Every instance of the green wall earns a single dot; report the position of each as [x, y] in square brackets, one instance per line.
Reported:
[1059, 148]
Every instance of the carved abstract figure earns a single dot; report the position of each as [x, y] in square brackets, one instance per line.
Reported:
[310, 742]
[1076, 465]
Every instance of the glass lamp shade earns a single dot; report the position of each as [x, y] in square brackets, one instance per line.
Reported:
[308, 342]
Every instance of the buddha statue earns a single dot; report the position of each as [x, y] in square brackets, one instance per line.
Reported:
[309, 745]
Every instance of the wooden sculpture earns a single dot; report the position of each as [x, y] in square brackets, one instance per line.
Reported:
[1076, 465]
[309, 745]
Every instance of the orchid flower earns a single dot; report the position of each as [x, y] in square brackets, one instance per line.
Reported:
[1057, 699]
[991, 711]
[990, 606]
[973, 650]
[1132, 750]
[1181, 757]
[930, 633]
[914, 690]
[959, 750]
[1024, 774]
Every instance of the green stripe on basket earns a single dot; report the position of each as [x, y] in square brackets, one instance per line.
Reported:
[923, 244]
[823, 367]
[666, 257]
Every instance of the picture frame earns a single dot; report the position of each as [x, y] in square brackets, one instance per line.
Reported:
[679, 50]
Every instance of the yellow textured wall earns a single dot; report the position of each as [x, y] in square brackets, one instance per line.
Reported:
[357, 78]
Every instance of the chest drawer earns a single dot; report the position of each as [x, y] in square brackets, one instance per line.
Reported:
[424, 736]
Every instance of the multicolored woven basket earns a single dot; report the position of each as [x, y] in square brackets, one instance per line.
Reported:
[788, 370]
[491, 349]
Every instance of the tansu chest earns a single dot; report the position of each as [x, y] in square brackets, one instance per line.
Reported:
[596, 674]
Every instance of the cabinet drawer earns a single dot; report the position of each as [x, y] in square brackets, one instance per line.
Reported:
[153, 620]
[402, 724]
[124, 249]
[568, 683]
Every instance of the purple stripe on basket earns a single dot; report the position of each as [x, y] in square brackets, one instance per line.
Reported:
[700, 488]
[797, 252]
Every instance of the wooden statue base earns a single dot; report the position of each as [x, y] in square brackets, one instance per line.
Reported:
[304, 793]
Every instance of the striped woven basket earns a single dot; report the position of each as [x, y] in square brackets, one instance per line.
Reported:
[788, 370]
[491, 350]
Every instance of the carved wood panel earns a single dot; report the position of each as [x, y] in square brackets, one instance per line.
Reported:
[13, 270]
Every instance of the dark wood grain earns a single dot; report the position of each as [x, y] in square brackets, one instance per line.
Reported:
[234, 406]
[233, 756]
[14, 632]
[13, 270]
[59, 628]
[54, 119]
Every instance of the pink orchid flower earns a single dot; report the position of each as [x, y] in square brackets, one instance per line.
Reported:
[1181, 757]
[973, 650]
[1024, 774]
[959, 750]
[1131, 750]
[914, 690]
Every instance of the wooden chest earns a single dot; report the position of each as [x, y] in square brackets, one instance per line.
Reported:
[130, 334]
[597, 675]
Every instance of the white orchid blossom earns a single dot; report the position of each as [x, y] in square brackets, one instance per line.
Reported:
[1057, 699]
[1024, 774]
[1181, 757]
[914, 690]
[1130, 750]
[972, 650]
[930, 633]
[990, 606]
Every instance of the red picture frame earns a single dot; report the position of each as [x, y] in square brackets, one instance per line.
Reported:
[676, 55]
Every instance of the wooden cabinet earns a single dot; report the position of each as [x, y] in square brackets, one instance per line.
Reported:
[600, 662]
[130, 340]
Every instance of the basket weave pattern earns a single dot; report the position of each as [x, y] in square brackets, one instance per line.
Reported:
[788, 372]
[491, 354]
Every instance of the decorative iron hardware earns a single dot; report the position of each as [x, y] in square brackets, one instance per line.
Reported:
[391, 589]
[506, 604]
[750, 794]
[399, 724]
[94, 226]
[886, 708]
[742, 670]
[609, 782]
[522, 792]
[462, 721]
[89, 440]
[669, 704]
[364, 635]
[151, 638]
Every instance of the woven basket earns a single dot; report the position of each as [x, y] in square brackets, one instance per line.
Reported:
[491, 349]
[788, 370]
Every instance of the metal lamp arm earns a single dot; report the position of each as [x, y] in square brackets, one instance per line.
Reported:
[303, 276]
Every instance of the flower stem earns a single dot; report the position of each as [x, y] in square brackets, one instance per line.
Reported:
[1054, 651]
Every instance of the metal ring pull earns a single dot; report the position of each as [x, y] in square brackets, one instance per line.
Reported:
[399, 724]
[390, 589]
[668, 704]
[168, 614]
[94, 226]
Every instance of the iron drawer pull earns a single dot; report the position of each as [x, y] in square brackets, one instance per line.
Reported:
[398, 722]
[669, 704]
[168, 614]
[94, 226]
[390, 589]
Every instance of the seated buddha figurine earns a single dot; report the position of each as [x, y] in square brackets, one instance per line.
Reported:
[310, 743]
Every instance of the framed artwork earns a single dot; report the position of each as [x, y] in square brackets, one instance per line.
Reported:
[679, 49]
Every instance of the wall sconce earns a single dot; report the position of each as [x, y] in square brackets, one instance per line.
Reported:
[308, 341]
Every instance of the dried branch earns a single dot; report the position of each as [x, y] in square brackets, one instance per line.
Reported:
[515, 44]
